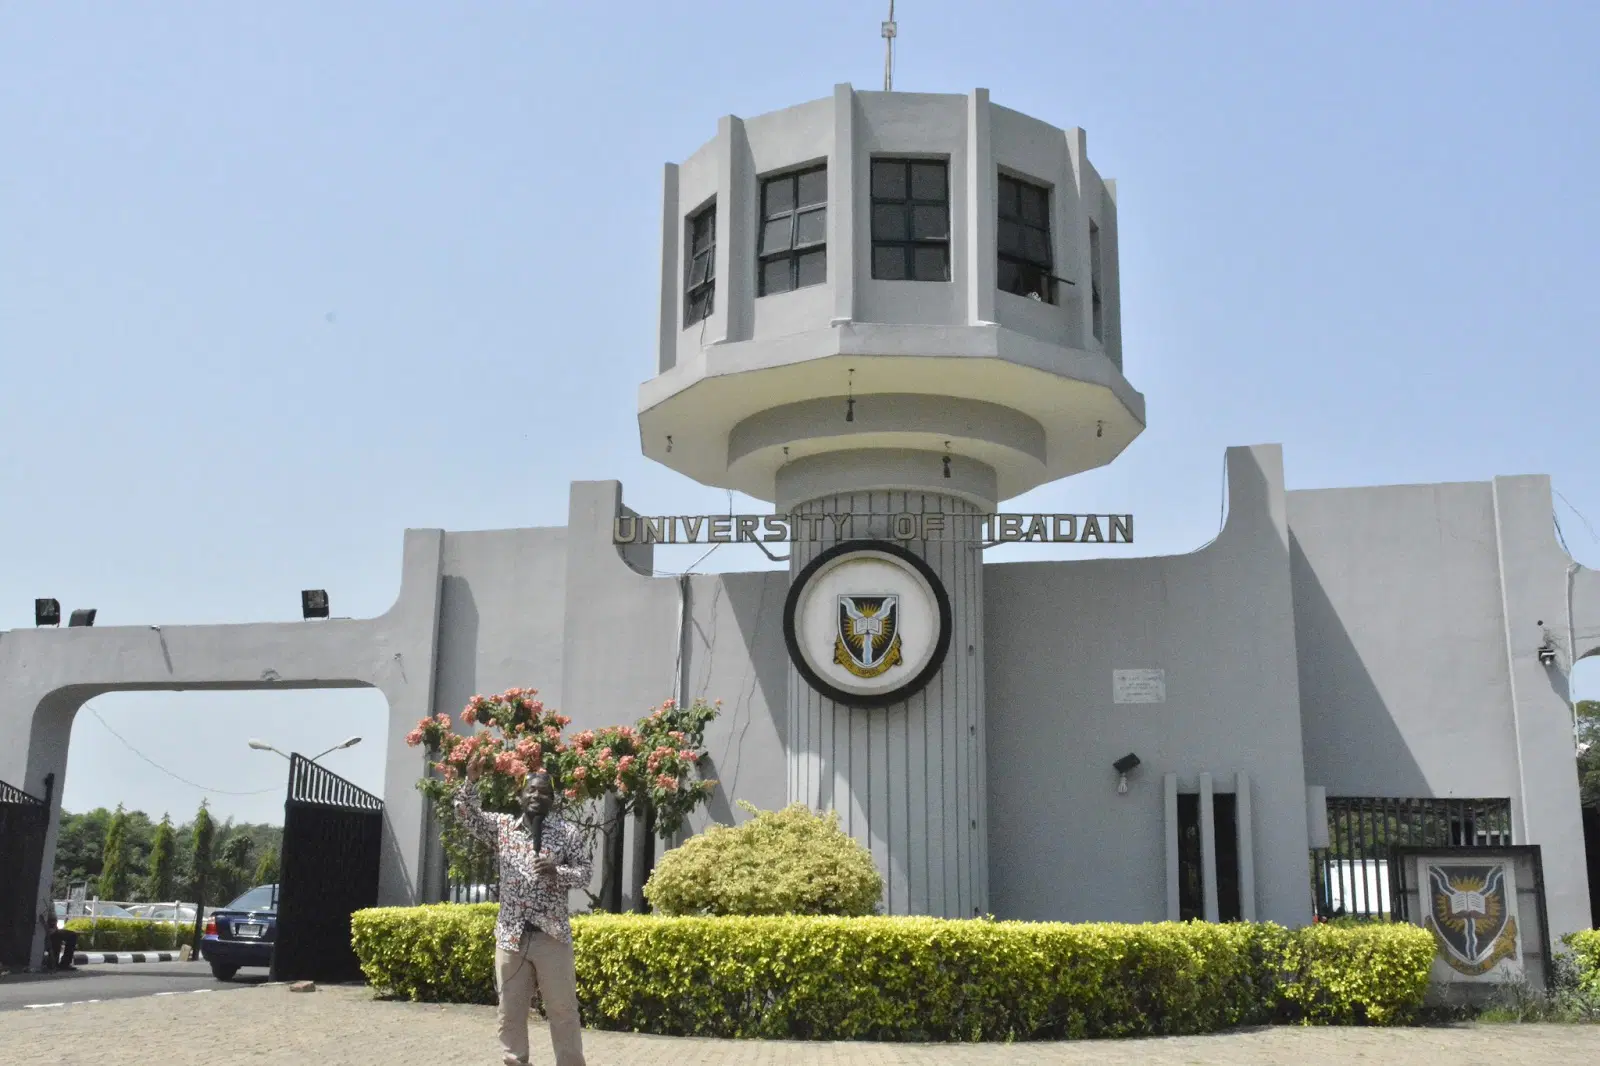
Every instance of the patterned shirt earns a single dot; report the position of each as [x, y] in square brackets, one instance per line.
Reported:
[526, 899]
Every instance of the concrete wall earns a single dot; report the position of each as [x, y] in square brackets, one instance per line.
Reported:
[1402, 642]
[1375, 641]
[1419, 611]
[1063, 844]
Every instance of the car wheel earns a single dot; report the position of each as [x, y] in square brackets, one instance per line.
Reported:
[223, 972]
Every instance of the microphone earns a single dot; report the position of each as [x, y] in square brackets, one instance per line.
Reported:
[538, 834]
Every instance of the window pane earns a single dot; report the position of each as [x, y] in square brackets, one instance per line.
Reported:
[776, 235]
[889, 179]
[814, 187]
[811, 227]
[775, 276]
[778, 196]
[930, 223]
[1035, 247]
[929, 264]
[702, 229]
[1034, 201]
[813, 267]
[1005, 277]
[888, 222]
[889, 263]
[927, 181]
[1008, 239]
[699, 268]
[699, 305]
[1009, 203]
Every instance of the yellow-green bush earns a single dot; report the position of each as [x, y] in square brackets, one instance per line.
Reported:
[1374, 974]
[1585, 946]
[127, 934]
[793, 861]
[877, 978]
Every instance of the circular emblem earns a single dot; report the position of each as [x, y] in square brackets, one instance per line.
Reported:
[867, 623]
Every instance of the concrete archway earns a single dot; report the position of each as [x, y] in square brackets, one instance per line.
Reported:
[47, 675]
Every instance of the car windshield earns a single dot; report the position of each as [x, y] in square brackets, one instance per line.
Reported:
[259, 898]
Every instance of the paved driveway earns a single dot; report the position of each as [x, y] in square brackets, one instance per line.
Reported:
[344, 1026]
[103, 981]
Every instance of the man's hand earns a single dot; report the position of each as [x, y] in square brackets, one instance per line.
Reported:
[545, 866]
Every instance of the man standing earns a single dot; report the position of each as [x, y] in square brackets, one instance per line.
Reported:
[542, 858]
[60, 945]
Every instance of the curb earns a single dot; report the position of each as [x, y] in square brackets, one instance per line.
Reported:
[84, 959]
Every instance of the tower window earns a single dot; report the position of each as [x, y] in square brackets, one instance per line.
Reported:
[1097, 304]
[794, 231]
[1025, 265]
[910, 220]
[700, 271]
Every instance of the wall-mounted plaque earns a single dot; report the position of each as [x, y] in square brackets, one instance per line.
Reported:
[1139, 686]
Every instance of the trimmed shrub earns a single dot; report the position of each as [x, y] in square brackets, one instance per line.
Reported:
[920, 979]
[441, 953]
[1585, 947]
[128, 934]
[1375, 973]
[793, 861]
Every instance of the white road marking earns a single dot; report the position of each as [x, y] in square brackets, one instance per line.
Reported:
[81, 1002]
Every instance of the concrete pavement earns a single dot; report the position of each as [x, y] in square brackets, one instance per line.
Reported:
[266, 1025]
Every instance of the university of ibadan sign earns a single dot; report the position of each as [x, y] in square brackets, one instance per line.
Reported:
[904, 526]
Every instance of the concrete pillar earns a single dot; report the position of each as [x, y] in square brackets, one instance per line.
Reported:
[908, 779]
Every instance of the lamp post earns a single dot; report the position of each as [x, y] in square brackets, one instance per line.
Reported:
[261, 745]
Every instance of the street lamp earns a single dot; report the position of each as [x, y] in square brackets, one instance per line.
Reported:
[261, 745]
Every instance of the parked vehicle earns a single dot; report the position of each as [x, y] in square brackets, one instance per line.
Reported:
[91, 909]
[242, 933]
[163, 912]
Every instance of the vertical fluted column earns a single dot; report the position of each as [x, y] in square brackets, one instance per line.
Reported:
[906, 779]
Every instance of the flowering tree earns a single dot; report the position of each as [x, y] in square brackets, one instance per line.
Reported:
[650, 766]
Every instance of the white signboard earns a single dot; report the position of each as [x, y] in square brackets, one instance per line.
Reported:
[1139, 686]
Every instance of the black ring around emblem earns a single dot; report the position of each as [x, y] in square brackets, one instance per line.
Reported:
[941, 644]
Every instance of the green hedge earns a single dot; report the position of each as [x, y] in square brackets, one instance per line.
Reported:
[921, 979]
[1585, 947]
[126, 934]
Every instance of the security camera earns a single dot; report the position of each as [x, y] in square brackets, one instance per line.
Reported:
[1547, 654]
[1122, 766]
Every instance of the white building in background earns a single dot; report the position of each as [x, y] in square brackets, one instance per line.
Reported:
[886, 314]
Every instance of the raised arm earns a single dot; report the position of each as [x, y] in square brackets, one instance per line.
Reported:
[473, 818]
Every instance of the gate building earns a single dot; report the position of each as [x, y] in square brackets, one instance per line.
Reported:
[885, 314]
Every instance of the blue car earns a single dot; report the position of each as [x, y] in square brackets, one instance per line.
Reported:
[242, 933]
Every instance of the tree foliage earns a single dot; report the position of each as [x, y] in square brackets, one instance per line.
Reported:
[161, 881]
[267, 868]
[1589, 752]
[114, 875]
[201, 839]
[651, 766]
[80, 851]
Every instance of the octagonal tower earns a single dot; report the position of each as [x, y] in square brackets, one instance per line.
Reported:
[885, 302]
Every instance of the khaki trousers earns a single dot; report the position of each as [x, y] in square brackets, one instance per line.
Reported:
[541, 964]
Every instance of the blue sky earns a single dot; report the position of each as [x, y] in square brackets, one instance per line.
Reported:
[279, 281]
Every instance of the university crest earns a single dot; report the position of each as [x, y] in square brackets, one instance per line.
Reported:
[868, 640]
[1470, 917]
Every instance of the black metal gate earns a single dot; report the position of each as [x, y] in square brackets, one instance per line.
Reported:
[23, 822]
[332, 839]
[1351, 875]
[1591, 849]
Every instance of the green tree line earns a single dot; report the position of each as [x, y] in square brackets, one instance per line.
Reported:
[125, 856]
[1589, 751]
